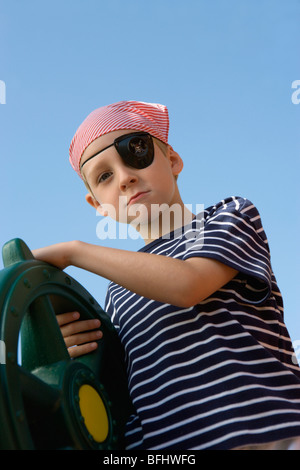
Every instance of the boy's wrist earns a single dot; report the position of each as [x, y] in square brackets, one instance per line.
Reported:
[72, 251]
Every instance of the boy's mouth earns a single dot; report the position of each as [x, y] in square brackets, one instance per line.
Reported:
[136, 197]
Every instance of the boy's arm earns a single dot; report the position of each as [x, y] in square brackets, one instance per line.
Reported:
[167, 280]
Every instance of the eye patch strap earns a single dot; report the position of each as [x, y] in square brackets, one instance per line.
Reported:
[95, 155]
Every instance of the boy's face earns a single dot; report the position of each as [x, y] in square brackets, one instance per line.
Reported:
[113, 183]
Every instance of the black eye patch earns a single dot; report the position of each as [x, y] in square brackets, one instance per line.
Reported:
[136, 149]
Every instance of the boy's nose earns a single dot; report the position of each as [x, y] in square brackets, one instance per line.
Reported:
[127, 178]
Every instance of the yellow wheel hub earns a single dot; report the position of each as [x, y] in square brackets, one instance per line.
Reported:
[94, 413]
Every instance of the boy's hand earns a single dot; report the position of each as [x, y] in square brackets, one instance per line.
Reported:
[58, 255]
[79, 335]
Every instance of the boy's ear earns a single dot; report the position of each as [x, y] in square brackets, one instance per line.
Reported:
[94, 203]
[176, 161]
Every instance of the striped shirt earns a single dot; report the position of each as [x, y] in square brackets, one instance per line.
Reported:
[220, 374]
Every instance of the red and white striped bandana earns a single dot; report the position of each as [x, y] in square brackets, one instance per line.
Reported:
[136, 115]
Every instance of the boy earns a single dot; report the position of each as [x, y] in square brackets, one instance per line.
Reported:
[210, 362]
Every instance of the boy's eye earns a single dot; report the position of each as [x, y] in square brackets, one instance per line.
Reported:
[104, 176]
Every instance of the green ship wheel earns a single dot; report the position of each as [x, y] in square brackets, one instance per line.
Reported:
[47, 399]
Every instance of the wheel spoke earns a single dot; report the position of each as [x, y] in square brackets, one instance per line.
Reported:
[39, 397]
[41, 340]
[43, 408]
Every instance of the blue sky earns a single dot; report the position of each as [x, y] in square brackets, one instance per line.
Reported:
[224, 68]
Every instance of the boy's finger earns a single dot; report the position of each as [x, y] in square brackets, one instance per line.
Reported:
[83, 338]
[76, 351]
[64, 318]
[79, 327]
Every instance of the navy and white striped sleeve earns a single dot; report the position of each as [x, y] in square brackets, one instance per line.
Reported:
[232, 233]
